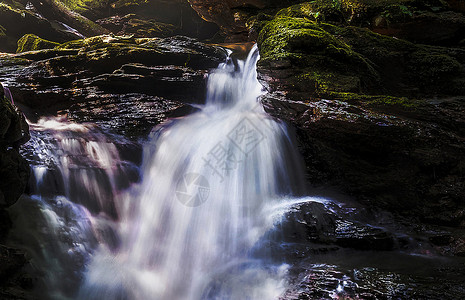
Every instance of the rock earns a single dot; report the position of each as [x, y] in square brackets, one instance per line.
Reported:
[152, 18]
[327, 281]
[378, 116]
[458, 5]
[16, 21]
[314, 223]
[14, 282]
[232, 15]
[149, 78]
[130, 24]
[14, 170]
[31, 42]
[5, 223]
[314, 59]
[14, 173]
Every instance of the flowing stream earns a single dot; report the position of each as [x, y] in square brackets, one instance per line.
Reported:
[181, 219]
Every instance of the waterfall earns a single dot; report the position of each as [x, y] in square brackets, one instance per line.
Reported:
[191, 226]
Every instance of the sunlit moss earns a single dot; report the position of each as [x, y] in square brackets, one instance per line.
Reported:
[31, 42]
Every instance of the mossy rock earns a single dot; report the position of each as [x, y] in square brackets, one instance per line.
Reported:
[31, 42]
[97, 42]
[88, 8]
[319, 10]
[317, 59]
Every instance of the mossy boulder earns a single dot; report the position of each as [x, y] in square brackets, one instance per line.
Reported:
[315, 59]
[31, 42]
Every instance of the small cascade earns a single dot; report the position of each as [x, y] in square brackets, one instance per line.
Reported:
[189, 227]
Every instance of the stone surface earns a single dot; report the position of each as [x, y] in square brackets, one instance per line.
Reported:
[381, 117]
[14, 170]
[111, 80]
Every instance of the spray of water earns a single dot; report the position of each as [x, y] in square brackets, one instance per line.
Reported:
[187, 229]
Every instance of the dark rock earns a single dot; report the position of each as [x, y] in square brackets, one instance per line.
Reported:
[5, 224]
[14, 170]
[13, 281]
[324, 281]
[314, 223]
[139, 81]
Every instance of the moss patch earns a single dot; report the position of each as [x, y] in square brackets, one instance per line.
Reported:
[319, 10]
[31, 42]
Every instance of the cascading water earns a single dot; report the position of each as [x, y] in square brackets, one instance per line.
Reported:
[191, 227]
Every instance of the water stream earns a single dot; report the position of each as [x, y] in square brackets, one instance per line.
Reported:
[182, 219]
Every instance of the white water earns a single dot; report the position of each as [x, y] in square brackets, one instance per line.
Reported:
[188, 229]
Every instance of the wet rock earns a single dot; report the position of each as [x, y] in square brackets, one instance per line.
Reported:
[14, 172]
[315, 223]
[323, 281]
[5, 223]
[405, 160]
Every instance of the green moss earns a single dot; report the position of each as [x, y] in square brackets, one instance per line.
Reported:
[318, 10]
[121, 4]
[97, 42]
[318, 59]
[375, 100]
[31, 42]
[321, 61]
[431, 67]
[85, 6]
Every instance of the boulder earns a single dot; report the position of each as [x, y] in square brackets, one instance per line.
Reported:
[31, 42]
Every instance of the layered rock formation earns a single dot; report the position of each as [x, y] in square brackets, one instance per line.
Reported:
[93, 79]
